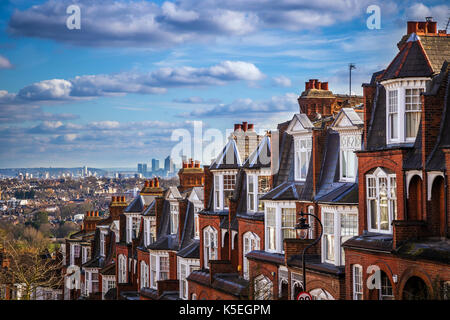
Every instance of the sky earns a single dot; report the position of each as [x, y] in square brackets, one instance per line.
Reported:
[120, 89]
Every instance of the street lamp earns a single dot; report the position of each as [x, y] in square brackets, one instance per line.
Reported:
[302, 228]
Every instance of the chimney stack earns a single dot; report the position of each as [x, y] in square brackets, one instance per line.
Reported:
[428, 27]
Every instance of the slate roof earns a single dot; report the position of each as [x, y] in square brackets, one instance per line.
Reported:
[437, 49]
[260, 157]
[229, 157]
[139, 203]
[371, 241]
[411, 61]
[285, 191]
[230, 283]
[351, 115]
[150, 210]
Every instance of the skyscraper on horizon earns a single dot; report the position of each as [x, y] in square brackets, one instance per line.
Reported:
[155, 165]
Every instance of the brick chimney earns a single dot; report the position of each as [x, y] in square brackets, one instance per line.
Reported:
[427, 27]
[245, 126]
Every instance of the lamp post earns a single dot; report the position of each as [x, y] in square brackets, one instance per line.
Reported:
[302, 228]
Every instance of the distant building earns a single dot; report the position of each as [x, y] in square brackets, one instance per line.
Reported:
[142, 168]
[168, 165]
[155, 165]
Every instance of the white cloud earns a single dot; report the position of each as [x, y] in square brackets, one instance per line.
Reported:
[5, 63]
[282, 81]
[418, 11]
[156, 82]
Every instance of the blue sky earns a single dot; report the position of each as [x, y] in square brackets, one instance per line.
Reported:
[111, 93]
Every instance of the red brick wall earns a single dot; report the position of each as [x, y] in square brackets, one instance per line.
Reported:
[391, 159]
[245, 226]
[269, 270]
[392, 265]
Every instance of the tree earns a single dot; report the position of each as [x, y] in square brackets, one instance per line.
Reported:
[30, 265]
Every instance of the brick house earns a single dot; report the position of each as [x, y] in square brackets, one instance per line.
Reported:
[403, 166]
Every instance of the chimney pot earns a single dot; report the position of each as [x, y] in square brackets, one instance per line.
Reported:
[123, 198]
[251, 127]
[245, 126]
[156, 182]
[324, 86]
[185, 165]
[146, 183]
[113, 199]
[306, 86]
[152, 184]
[312, 83]
[318, 87]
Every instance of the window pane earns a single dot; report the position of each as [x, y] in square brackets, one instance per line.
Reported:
[373, 214]
[384, 216]
[344, 163]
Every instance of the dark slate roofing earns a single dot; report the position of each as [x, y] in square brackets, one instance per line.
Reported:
[411, 61]
[151, 209]
[313, 262]
[111, 294]
[370, 241]
[413, 158]
[260, 157]
[285, 191]
[190, 251]
[230, 283]
[140, 203]
[437, 49]
[330, 189]
[433, 250]
[109, 270]
[436, 160]
[376, 132]
[167, 242]
[229, 157]
[276, 258]
[286, 160]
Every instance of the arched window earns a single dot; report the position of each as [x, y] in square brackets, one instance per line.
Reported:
[381, 200]
[144, 275]
[122, 264]
[251, 242]
[263, 288]
[386, 292]
[357, 282]
[209, 245]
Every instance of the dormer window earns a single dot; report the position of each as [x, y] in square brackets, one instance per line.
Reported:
[133, 224]
[149, 230]
[348, 161]
[174, 211]
[403, 109]
[302, 156]
[223, 189]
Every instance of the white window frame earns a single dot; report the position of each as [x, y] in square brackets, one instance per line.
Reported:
[102, 243]
[253, 241]
[253, 203]
[339, 215]
[130, 224]
[144, 283]
[303, 145]
[155, 269]
[210, 252]
[174, 214]
[197, 209]
[349, 143]
[400, 86]
[311, 222]
[378, 174]
[219, 191]
[278, 206]
[122, 265]
[357, 277]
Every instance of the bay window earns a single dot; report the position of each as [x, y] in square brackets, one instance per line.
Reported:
[257, 186]
[159, 269]
[302, 156]
[270, 223]
[209, 245]
[223, 189]
[413, 108]
[393, 114]
[287, 223]
[403, 108]
[339, 225]
[251, 243]
[381, 200]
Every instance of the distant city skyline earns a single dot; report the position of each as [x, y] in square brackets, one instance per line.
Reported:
[104, 98]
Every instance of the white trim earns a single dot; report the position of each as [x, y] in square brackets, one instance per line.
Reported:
[430, 177]
[409, 175]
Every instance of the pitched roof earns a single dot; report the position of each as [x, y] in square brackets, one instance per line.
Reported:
[229, 157]
[285, 191]
[260, 157]
[139, 203]
[350, 115]
[411, 61]
[437, 49]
